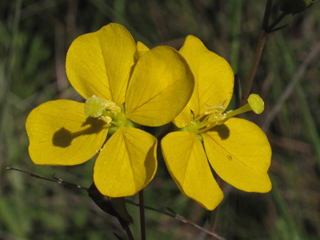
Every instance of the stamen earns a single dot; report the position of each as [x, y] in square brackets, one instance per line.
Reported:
[106, 119]
[112, 107]
[199, 118]
[199, 125]
[214, 109]
[217, 118]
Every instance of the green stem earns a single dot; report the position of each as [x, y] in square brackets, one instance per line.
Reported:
[142, 216]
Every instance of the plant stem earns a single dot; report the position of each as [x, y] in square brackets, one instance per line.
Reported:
[128, 231]
[172, 214]
[267, 12]
[142, 216]
[257, 56]
[253, 70]
[275, 23]
[262, 39]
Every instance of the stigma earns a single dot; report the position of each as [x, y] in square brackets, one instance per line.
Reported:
[97, 107]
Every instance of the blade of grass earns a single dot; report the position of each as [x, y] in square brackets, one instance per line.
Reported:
[119, 8]
[315, 50]
[107, 10]
[9, 67]
[236, 7]
[235, 33]
[9, 218]
[284, 210]
[311, 126]
[294, 85]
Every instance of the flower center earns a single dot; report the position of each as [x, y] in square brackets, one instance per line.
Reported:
[213, 115]
[107, 111]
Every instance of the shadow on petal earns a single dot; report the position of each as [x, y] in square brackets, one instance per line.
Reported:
[222, 130]
[63, 137]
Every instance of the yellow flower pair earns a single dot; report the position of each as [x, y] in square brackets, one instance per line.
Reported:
[126, 86]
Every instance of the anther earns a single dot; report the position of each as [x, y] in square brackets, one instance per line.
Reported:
[218, 108]
[109, 105]
[106, 119]
[217, 118]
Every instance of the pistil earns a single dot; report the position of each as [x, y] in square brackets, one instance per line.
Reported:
[255, 104]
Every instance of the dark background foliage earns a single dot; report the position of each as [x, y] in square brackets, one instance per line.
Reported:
[34, 39]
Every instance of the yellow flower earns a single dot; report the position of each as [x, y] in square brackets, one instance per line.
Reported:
[237, 150]
[125, 85]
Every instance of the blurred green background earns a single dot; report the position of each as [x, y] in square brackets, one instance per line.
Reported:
[34, 39]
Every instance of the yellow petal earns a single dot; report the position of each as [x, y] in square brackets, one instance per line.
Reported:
[100, 63]
[187, 163]
[239, 152]
[141, 50]
[212, 73]
[127, 163]
[183, 119]
[160, 87]
[60, 133]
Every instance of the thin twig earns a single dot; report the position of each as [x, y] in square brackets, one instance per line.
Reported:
[151, 208]
[178, 217]
[184, 220]
[128, 231]
[267, 13]
[281, 28]
[117, 236]
[290, 87]
[56, 180]
[275, 23]
[172, 214]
